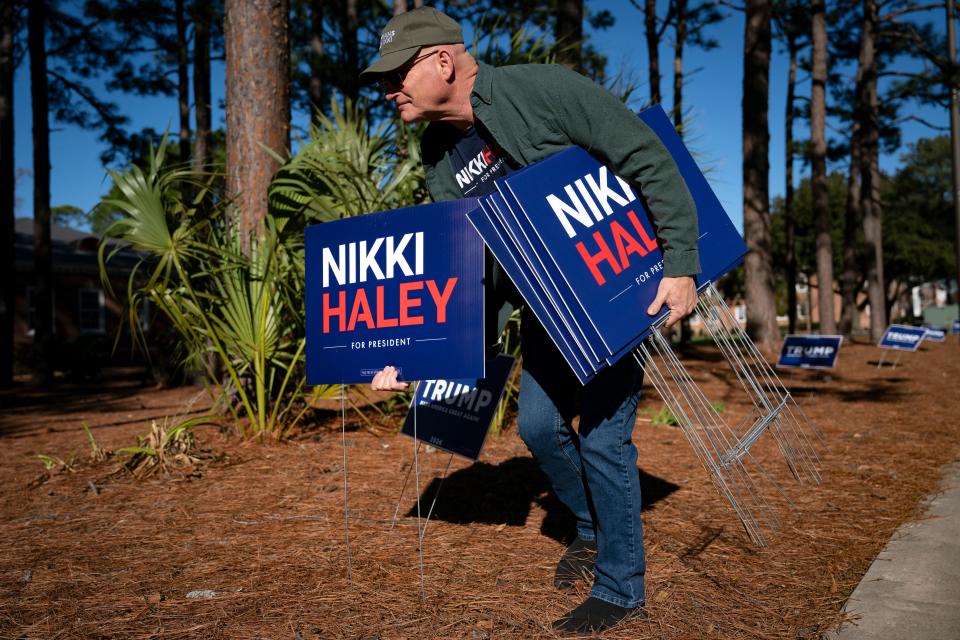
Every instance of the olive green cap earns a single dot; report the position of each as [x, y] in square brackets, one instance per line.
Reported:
[406, 34]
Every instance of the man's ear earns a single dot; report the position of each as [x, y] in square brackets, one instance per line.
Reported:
[447, 66]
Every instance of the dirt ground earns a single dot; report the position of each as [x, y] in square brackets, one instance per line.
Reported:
[252, 543]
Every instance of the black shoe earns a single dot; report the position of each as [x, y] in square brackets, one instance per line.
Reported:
[594, 616]
[576, 564]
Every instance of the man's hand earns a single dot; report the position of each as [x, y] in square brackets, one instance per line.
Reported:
[679, 294]
[386, 380]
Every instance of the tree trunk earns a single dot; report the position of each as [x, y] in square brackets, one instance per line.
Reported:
[867, 108]
[569, 32]
[761, 304]
[201, 83]
[789, 219]
[850, 311]
[42, 263]
[258, 104]
[183, 82]
[681, 39]
[680, 30]
[316, 53]
[7, 185]
[818, 162]
[653, 49]
[399, 6]
[351, 56]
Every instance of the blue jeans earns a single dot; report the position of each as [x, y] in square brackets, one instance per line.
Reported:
[593, 470]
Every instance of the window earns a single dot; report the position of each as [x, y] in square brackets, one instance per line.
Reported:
[32, 310]
[91, 314]
[740, 312]
[802, 283]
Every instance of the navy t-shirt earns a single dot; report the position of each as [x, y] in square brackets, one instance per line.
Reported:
[477, 161]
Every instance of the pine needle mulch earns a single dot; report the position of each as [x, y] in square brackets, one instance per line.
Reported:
[251, 544]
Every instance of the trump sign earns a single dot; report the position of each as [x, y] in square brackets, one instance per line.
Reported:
[814, 352]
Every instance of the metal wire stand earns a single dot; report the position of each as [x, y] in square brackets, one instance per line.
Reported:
[775, 410]
[725, 452]
[732, 468]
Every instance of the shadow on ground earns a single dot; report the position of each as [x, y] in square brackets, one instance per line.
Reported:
[505, 493]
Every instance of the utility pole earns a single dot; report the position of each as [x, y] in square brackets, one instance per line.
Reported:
[954, 133]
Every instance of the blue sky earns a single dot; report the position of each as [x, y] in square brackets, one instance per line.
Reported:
[712, 97]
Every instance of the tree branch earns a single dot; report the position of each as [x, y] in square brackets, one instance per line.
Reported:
[924, 123]
[911, 9]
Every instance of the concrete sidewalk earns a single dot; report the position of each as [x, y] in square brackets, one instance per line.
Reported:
[912, 589]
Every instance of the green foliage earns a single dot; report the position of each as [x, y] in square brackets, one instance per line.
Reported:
[350, 166]
[918, 224]
[239, 311]
[165, 446]
[665, 417]
[235, 311]
[511, 392]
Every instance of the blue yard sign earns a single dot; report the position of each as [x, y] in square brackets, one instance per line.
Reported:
[455, 415]
[934, 334]
[579, 242]
[401, 288]
[814, 352]
[956, 326]
[902, 337]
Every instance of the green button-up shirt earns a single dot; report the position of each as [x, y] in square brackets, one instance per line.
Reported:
[534, 111]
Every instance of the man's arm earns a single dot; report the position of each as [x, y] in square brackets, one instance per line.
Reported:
[600, 123]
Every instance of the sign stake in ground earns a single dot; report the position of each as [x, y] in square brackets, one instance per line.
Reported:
[346, 488]
[900, 338]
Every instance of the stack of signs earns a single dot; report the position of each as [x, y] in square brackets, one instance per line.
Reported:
[810, 352]
[934, 334]
[401, 288]
[580, 246]
[455, 415]
[902, 337]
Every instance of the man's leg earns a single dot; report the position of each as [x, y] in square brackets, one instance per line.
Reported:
[609, 459]
[547, 405]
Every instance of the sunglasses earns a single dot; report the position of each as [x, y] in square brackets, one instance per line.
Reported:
[394, 79]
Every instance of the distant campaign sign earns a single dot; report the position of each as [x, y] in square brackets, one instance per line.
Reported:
[401, 288]
[934, 334]
[814, 352]
[903, 337]
[455, 415]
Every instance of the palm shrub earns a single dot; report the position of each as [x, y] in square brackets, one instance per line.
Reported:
[240, 314]
[351, 165]
[222, 302]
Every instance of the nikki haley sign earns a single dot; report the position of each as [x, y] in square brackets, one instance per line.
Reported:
[578, 242]
[401, 288]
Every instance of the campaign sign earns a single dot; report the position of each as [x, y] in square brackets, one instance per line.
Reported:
[814, 352]
[455, 415]
[902, 337]
[401, 288]
[588, 242]
[934, 334]
[495, 237]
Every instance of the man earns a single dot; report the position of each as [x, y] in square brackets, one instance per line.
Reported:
[484, 123]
